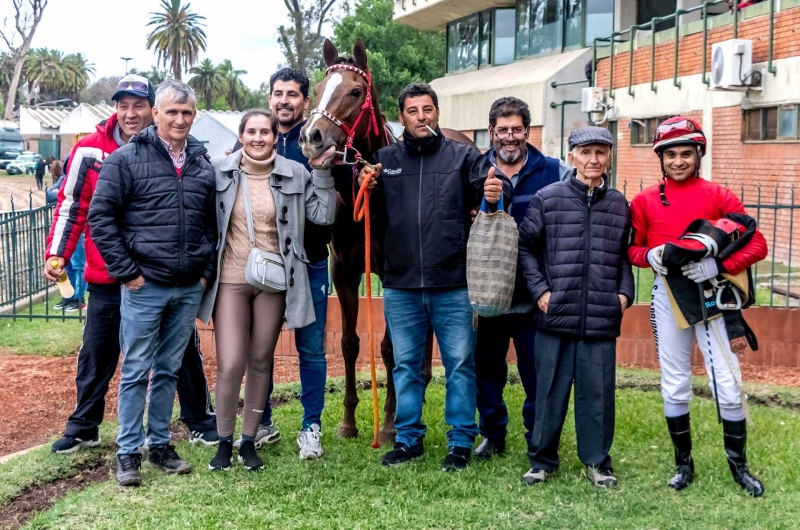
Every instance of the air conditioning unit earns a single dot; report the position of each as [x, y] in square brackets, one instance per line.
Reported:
[592, 99]
[732, 65]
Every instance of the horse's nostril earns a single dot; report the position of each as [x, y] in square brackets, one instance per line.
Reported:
[316, 137]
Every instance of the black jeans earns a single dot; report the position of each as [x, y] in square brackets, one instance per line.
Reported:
[592, 366]
[97, 362]
[491, 370]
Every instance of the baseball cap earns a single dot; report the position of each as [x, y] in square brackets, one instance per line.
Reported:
[590, 135]
[135, 85]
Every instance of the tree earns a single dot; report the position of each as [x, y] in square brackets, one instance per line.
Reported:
[235, 89]
[398, 54]
[301, 42]
[178, 37]
[51, 75]
[209, 81]
[154, 75]
[100, 90]
[76, 72]
[25, 23]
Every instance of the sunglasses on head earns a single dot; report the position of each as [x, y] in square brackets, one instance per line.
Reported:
[138, 86]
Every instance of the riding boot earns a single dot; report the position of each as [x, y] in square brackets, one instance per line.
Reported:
[680, 432]
[735, 444]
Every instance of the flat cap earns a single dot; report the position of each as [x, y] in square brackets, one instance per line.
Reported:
[590, 135]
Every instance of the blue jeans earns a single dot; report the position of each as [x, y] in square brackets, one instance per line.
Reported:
[157, 321]
[310, 344]
[74, 270]
[409, 315]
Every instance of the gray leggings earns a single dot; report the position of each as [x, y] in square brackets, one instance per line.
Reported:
[247, 324]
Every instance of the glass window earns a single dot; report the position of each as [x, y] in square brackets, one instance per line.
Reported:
[787, 122]
[753, 132]
[647, 10]
[482, 139]
[572, 22]
[599, 20]
[770, 124]
[545, 25]
[522, 16]
[485, 48]
[503, 46]
[462, 44]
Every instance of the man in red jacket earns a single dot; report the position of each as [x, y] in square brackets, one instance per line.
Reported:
[97, 361]
[659, 215]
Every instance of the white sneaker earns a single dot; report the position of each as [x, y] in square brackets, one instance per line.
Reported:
[265, 435]
[309, 441]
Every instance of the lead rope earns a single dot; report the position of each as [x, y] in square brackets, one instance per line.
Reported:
[361, 211]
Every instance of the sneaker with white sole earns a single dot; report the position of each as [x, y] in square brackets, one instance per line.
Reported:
[70, 444]
[535, 476]
[265, 435]
[602, 478]
[309, 441]
[210, 437]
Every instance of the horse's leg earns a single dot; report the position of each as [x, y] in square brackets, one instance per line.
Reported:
[347, 282]
[388, 431]
[429, 357]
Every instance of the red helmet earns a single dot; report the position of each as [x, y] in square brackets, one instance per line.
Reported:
[679, 131]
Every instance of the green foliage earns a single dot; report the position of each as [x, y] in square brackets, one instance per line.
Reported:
[178, 36]
[154, 75]
[37, 337]
[398, 54]
[209, 81]
[50, 75]
[348, 488]
[100, 90]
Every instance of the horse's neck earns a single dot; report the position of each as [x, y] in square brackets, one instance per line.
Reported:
[372, 142]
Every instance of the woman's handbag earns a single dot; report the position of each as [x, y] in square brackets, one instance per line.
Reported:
[492, 261]
[264, 270]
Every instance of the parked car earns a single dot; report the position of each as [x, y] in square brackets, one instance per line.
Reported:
[24, 163]
[11, 145]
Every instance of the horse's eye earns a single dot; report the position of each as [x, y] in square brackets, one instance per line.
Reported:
[356, 93]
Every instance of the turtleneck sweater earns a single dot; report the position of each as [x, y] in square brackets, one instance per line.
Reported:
[265, 228]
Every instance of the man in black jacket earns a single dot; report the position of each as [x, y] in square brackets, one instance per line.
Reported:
[428, 185]
[153, 220]
[573, 256]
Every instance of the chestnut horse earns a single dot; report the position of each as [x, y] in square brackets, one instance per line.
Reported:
[348, 121]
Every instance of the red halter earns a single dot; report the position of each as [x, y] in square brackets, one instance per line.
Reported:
[367, 106]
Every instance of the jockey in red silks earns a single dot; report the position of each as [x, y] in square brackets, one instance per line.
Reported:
[660, 215]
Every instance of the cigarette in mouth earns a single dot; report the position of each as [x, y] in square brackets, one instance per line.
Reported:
[431, 130]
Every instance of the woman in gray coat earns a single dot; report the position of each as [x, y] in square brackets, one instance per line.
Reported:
[247, 320]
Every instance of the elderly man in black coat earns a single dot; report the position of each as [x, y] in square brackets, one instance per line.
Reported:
[573, 255]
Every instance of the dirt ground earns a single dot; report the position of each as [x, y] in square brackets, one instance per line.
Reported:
[19, 187]
[38, 394]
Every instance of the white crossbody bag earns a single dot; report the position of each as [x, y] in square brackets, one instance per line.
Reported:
[264, 270]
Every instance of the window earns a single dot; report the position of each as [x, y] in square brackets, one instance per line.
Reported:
[599, 20]
[482, 139]
[644, 130]
[572, 25]
[481, 40]
[771, 124]
[462, 44]
[544, 26]
[647, 10]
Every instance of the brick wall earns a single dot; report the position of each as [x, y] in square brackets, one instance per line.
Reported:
[690, 54]
[778, 332]
[535, 137]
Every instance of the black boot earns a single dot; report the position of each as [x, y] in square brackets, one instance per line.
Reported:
[735, 444]
[681, 434]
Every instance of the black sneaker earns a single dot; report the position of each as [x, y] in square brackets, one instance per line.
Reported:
[602, 478]
[59, 306]
[249, 457]
[128, 467]
[222, 460]
[204, 437]
[456, 459]
[166, 459]
[401, 454]
[489, 448]
[71, 307]
[70, 444]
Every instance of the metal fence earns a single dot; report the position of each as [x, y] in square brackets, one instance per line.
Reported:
[26, 294]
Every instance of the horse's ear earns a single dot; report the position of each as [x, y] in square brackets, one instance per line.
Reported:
[329, 52]
[360, 54]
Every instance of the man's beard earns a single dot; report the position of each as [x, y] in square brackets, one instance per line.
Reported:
[509, 158]
[290, 121]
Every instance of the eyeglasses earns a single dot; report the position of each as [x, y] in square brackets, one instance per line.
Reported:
[507, 134]
[139, 85]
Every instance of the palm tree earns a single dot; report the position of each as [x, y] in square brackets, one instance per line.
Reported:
[209, 81]
[76, 71]
[178, 36]
[44, 70]
[235, 90]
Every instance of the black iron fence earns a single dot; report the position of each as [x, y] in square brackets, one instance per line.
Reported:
[26, 294]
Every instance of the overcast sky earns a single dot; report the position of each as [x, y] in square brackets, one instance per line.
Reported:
[244, 31]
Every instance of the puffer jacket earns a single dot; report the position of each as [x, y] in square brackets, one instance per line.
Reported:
[148, 221]
[575, 245]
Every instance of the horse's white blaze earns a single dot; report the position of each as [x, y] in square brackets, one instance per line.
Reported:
[330, 88]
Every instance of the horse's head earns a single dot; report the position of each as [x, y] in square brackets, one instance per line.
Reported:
[345, 113]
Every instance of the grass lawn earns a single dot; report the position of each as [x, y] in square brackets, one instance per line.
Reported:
[348, 488]
[56, 337]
